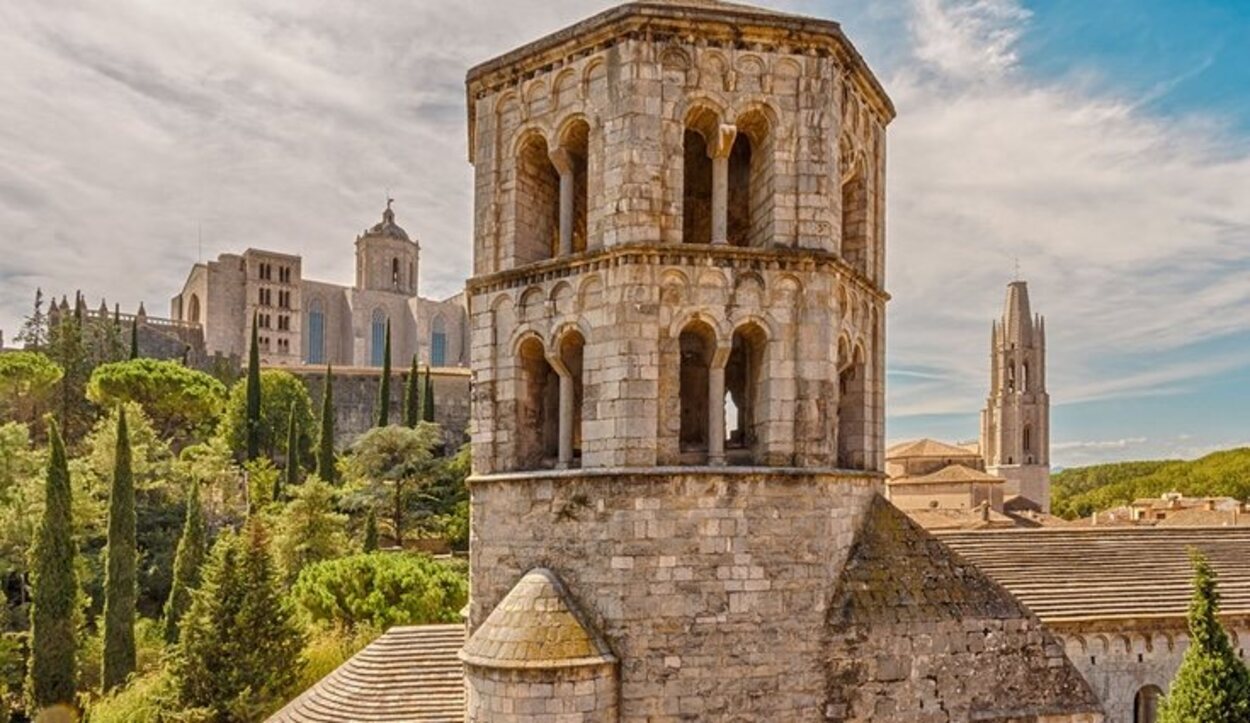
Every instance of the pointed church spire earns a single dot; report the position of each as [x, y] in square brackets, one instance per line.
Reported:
[1017, 318]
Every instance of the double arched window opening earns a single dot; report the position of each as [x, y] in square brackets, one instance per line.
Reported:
[552, 187]
[549, 406]
[727, 179]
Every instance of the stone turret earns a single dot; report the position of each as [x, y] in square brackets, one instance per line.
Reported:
[1015, 425]
[386, 257]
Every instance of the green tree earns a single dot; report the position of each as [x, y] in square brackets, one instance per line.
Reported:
[384, 389]
[252, 393]
[310, 529]
[239, 650]
[53, 613]
[381, 589]
[191, 548]
[182, 403]
[389, 468]
[280, 391]
[412, 395]
[34, 333]
[134, 339]
[291, 476]
[325, 441]
[27, 382]
[1212, 684]
[371, 531]
[120, 583]
[427, 398]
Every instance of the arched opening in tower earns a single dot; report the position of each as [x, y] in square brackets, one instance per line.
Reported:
[852, 400]
[576, 141]
[855, 222]
[572, 348]
[697, 191]
[538, 408]
[697, 343]
[750, 182]
[745, 394]
[537, 208]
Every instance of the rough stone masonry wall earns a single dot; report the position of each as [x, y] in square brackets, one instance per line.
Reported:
[586, 694]
[710, 587]
[356, 398]
[1119, 660]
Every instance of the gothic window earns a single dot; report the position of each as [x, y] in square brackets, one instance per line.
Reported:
[1028, 439]
[852, 409]
[855, 222]
[1146, 704]
[438, 342]
[377, 347]
[316, 332]
[1024, 378]
[395, 273]
[697, 191]
[745, 406]
[537, 202]
[1011, 376]
[538, 408]
[697, 343]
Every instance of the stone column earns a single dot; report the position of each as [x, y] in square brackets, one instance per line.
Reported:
[565, 460]
[563, 162]
[716, 416]
[719, 150]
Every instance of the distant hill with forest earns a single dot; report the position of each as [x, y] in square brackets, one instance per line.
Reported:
[1081, 491]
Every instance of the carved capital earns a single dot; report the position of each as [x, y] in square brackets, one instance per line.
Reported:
[723, 143]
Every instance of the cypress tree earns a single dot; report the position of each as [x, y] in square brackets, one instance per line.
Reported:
[120, 581]
[1212, 684]
[53, 646]
[371, 531]
[427, 398]
[187, 562]
[384, 389]
[134, 338]
[292, 456]
[325, 443]
[412, 396]
[253, 396]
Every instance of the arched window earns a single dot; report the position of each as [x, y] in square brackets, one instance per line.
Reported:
[316, 332]
[193, 309]
[750, 182]
[852, 411]
[1027, 439]
[701, 129]
[745, 405]
[1011, 376]
[377, 347]
[697, 343]
[572, 348]
[855, 222]
[537, 207]
[538, 408]
[395, 273]
[438, 342]
[576, 141]
[1146, 704]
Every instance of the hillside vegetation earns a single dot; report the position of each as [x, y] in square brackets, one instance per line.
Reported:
[1080, 491]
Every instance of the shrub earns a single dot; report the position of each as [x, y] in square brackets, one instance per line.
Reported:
[381, 589]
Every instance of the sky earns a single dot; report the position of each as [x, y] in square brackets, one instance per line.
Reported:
[1103, 148]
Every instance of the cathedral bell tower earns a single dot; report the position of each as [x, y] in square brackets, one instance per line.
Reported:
[1015, 424]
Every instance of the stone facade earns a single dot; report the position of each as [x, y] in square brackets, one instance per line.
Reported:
[307, 322]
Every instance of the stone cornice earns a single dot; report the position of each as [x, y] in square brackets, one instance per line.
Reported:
[780, 473]
[786, 259]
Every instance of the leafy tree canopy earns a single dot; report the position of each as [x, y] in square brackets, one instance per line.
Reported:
[27, 381]
[181, 402]
[279, 391]
[1081, 491]
[381, 589]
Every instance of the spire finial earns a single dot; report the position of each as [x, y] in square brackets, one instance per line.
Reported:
[388, 216]
[1017, 263]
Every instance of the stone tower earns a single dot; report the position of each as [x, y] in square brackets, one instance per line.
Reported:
[677, 317]
[1015, 424]
[386, 258]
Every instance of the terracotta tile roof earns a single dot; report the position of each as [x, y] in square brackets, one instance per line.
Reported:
[1071, 575]
[949, 474]
[408, 674]
[927, 448]
[536, 625]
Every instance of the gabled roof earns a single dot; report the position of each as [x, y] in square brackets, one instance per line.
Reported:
[927, 448]
[408, 674]
[950, 474]
[1090, 574]
[536, 625]
[899, 580]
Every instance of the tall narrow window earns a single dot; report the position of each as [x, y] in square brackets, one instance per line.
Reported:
[377, 349]
[576, 141]
[746, 402]
[537, 207]
[438, 342]
[855, 223]
[572, 349]
[1028, 439]
[395, 273]
[697, 191]
[538, 408]
[740, 191]
[316, 332]
[852, 411]
[697, 342]
[1146, 704]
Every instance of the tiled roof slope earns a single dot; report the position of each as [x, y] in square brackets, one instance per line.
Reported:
[536, 625]
[408, 674]
[914, 631]
[1072, 575]
[949, 474]
[927, 448]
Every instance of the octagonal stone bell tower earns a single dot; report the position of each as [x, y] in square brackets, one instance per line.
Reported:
[678, 316]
